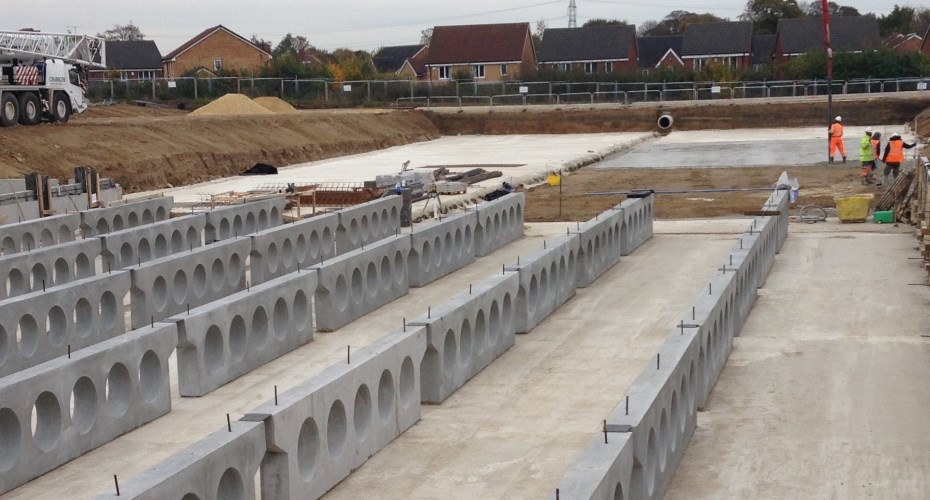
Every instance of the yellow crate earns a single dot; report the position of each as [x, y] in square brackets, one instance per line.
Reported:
[853, 208]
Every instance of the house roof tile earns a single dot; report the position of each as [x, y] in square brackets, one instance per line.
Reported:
[847, 33]
[478, 43]
[203, 35]
[133, 55]
[763, 47]
[653, 48]
[705, 39]
[390, 59]
[589, 43]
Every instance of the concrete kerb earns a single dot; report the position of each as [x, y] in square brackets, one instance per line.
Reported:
[100, 221]
[322, 430]
[604, 471]
[115, 387]
[465, 334]
[37, 233]
[364, 224]
[26, 272]
[287, 248]
[232, 336]
[356, 283]
[499, 222]
[241, 220]
[637, 223]
[441, 248]
[140, 244]
[169, 285]
[599, 246]
[40, 326]
[548, 278]
[223, 466]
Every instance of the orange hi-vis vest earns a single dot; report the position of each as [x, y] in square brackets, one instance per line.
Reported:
[836, 130]
[876, 148]
[895, 151]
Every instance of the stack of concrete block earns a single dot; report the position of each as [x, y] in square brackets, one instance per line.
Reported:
[26, 272]
[134, 246]
[367, 223]
[287, 248]
[100, 221]
[599, 246]
[499, 223]
[547, 280]
[441, 248]
[32, 234]
[636, 226]
[241, 220]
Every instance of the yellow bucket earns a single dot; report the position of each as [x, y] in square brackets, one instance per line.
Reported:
[853, 208]
[554, 179]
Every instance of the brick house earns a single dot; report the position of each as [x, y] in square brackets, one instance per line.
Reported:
[903, 43]
[130, 60]
[659, 52]
[415, 67]
[763, 50]
[804, 35]
[392, 60]
[213, 50]
[727, 43]
[592, 49]
[924, 44]
[490, 52]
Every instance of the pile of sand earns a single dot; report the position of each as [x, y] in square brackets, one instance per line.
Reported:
[232, 104]
[275, 105]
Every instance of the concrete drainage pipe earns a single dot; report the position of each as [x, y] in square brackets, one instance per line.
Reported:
[665, 121]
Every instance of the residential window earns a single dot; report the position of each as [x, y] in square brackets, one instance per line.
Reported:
[609, 66]
[699, 63]
[563, 67]
[503, 70]
[445, 72]
[217, 64]
[590, 68]
[478, 70]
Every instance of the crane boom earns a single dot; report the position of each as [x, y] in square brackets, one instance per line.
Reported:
[81, 50]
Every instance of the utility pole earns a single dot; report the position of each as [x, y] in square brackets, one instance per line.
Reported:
[826, 42]
[572, 14]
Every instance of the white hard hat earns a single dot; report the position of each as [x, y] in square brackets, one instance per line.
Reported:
[838, 118]
[868, 130]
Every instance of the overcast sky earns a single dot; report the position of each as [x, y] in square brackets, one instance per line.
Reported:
[356, 24]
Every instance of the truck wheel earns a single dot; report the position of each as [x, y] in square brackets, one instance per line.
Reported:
[9, 109]
[61, 107]
[30, 112]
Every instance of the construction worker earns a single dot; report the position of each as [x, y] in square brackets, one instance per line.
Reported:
[894, 155]
[866, 155]
[836, 138]
[877, 154]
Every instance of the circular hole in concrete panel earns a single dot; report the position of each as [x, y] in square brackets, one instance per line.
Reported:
[326, 243]
[311, 249]
[407, 383]
[40, 277]
[687, 391]
[426, 254]
[193, 238]
[663, 436]
[57, 326]
[450, 250]
[234, 271]
[494, 323]
[287, 253]
[224, 229]
[361, 412]
[231, 486]
[126, 254]
[400, 268]
[9, 245]
[10, 439]
[353, 232]
[272, 257]
[119, 387]
[308, 448]
[83, 405]
[413, 258]
[387, 275]
[506, 313]
[301, 311]
[394, 213]
[102, 226]
[342, 293]
[505, 221]
[200, 281]
[29, 242]
[468, 240]
[375, 223]
[336, 426]
[62, 271]
[65, 234]
[263, 218]
[238, 338]
[555, 277]
[160, 213]
[385, 217]
[160, 293]
[259, 328]
[673, 412]
[357, 285]
[4, 345]
[365, 228]
[282, 318]
[27, 335]
[651, 462]
[371, 279]
[145, 252]
[177, 241]
[147, 217]
[108, 310]
[497, 225]
[448, 354]
[213, 348]
[386, 396]
[250, 223]
[481, 332]
[237, 226]
[217, 274]
[618, 492]
[458, 241]
[161, 246]
[46, 421]
[179, 287]
[533, 294]
[15, 283]
[150, 380]
[543, 285]
[133, 219]
[466, 341]
[118, 224]
[437, 253]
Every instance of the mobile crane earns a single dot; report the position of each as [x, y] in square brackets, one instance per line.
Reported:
[43, 75]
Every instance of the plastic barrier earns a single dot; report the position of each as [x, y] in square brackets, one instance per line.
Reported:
[26, 272]
[356, 283]
[600, 246]
[499, 223]
[223, 466]
[465, 334]
[132, 247]
[169, 285]
[232, 336]
[286, 248]
[241, 220]
[37, 233]
[100, 221]
[113, 388]
[441, 248]
[323, 429]
[547, 280]
[40, 326]
[636, 226]
[367, 223]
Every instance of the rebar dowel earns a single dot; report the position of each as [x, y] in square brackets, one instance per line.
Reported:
[116, 482]
[228, 423]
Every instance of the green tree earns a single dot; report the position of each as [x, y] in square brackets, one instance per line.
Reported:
[604, 22]
[676, 22]
[904, 20]
[765, 14]
[297, 46]
[815, 9]
[123, 32]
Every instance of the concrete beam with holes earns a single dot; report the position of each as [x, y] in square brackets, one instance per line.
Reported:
[499, 223]
[636, 226]
[599, 246]
[287, 248]
[440, 248]
[548, 279]
[366, 223]
[134, 246]
[38, 233]
[25, 272]
[244, 219]
[100, 221]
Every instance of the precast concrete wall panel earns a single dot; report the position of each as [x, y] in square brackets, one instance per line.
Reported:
[132, 247]
[547, 280]
[113, 388]
[367, 223]
[602, 472]
[67, 203]
[241, 220]
[287, 248]
[40, 326]
[499, 223]
[636, 225]
[13, 212]
[356, 283]
[100, 221]
[169, 285]
[441, 248]
[38, 233]
[599, 247]
[26, 272]
[323, 429]
[232, 336]
[220, 466]
[467, 333]
[779, 201]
